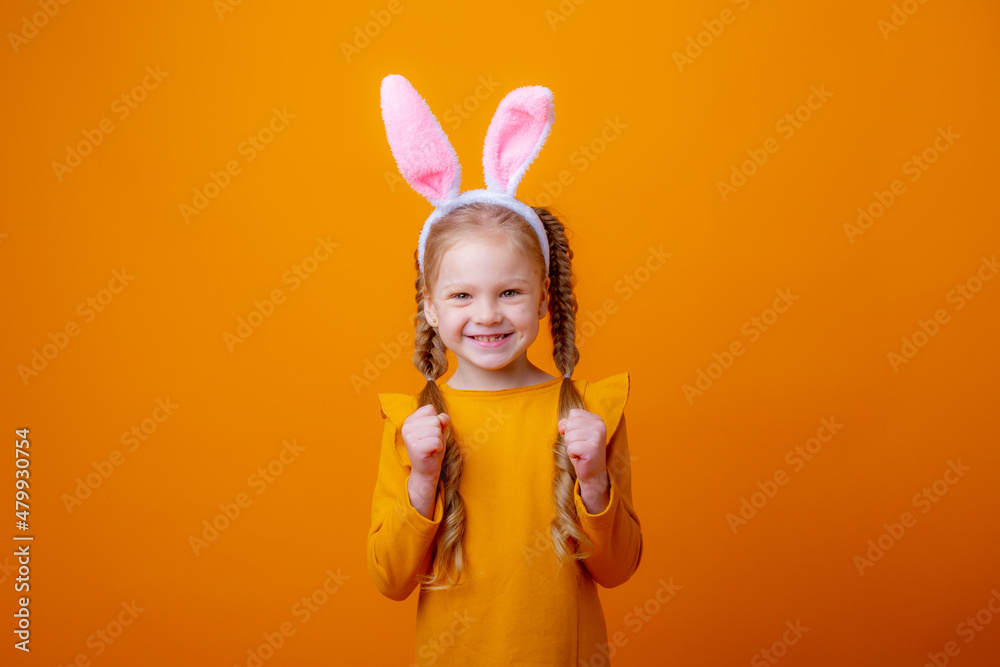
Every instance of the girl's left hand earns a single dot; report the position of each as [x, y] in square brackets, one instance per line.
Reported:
[586, 438]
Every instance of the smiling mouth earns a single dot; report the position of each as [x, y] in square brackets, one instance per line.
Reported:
[488, 339]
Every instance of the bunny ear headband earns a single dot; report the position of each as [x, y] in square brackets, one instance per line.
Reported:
[428, 162]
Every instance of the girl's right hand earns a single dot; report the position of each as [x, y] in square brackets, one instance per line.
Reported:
[424, 437]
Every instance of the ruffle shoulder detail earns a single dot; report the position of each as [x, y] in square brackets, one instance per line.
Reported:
[607, 399]
[396, 408]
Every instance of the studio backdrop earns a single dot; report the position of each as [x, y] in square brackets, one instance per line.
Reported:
[785, 224]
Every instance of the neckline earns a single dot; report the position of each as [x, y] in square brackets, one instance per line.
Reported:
[488, 393]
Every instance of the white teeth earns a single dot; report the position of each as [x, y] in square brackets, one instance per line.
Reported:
[487, 339]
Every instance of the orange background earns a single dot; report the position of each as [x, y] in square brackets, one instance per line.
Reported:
[329, 173]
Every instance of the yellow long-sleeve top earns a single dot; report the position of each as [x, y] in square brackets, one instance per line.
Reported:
[514, 605]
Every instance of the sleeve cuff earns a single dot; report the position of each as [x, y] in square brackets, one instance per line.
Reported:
[414, 519]
[602, 518]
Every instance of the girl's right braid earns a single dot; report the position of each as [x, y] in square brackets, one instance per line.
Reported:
[429, 356]
[562, 319]
[562, 308]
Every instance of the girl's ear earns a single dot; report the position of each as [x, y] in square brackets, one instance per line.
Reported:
[430, 313]
[543, 306]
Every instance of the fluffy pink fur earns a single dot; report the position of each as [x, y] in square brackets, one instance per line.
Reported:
[519, 128]
[425, 156]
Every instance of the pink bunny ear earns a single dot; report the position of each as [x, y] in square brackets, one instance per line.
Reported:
[519, 128]
[423, 153]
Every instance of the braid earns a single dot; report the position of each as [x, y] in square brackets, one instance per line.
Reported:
[562, 317]
[430, 359]
[429, 352]
[562, 305]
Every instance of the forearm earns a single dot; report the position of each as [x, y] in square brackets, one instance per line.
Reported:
[616, 536]
[596, 493]
[400, 547]
[614, 528]
[406, 511]
[423, 491]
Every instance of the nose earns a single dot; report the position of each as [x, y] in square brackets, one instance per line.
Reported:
[487, 312]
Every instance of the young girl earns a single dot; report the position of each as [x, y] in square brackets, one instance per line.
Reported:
[504, 493]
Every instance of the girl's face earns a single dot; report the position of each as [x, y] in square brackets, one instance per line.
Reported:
[484, 289]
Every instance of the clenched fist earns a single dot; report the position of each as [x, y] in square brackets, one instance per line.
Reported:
[586, 442]
[424, 436]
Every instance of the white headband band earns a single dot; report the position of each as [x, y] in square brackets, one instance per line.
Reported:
[429, 164]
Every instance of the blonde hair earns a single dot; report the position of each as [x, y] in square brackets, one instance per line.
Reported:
[476, 221]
